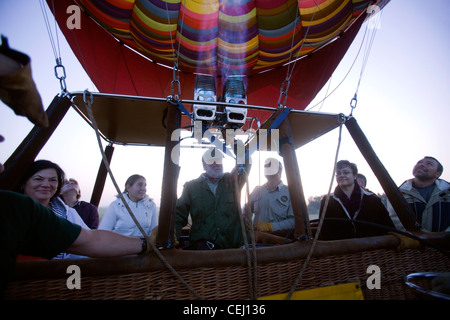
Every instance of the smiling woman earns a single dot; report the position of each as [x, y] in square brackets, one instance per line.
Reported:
[136, 187]
[118, 219]
[350, 207]
[42, 181]
[345, 176]
[42, 186]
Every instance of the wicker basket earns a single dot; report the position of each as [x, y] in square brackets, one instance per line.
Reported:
[224, 274]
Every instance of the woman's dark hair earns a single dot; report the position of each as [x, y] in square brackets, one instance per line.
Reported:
[345, 163]
[42, 165]
[132, 179]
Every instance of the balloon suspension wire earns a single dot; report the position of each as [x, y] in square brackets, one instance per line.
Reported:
[54, 40]
[368, 45]
[372, 25]
[60, 71]
[291, 66]
[319, 227]
[89, 101]
[176, 53]
[251, 256]
[56, 47]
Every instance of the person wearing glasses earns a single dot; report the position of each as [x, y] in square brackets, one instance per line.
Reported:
[351, 211]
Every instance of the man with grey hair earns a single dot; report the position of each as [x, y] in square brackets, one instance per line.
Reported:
[211, 201]
[270, 204]
[429, 196]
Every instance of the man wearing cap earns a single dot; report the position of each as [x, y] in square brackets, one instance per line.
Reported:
[270, 204]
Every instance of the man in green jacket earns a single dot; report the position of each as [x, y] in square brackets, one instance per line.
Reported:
[211, 200]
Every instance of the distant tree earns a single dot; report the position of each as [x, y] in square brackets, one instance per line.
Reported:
[314, 206]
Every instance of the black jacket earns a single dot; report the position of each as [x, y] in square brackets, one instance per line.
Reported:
[349, 225]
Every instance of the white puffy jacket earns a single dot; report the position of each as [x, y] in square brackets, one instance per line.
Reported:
[118, 219]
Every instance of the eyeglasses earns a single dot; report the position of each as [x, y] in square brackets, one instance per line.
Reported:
[343, 172]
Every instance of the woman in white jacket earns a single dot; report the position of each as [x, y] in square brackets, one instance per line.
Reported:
[118, 219]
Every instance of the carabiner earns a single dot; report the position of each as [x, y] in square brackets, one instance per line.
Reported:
[283, 92]
[177, 95]
[61, 78]
[91, 97]
[353, 104]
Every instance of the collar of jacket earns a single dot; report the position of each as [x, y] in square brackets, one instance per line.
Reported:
[146, 201]
[363, 193]
[439, 183]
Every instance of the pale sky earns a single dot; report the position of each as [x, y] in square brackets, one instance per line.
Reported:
[402, 104]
